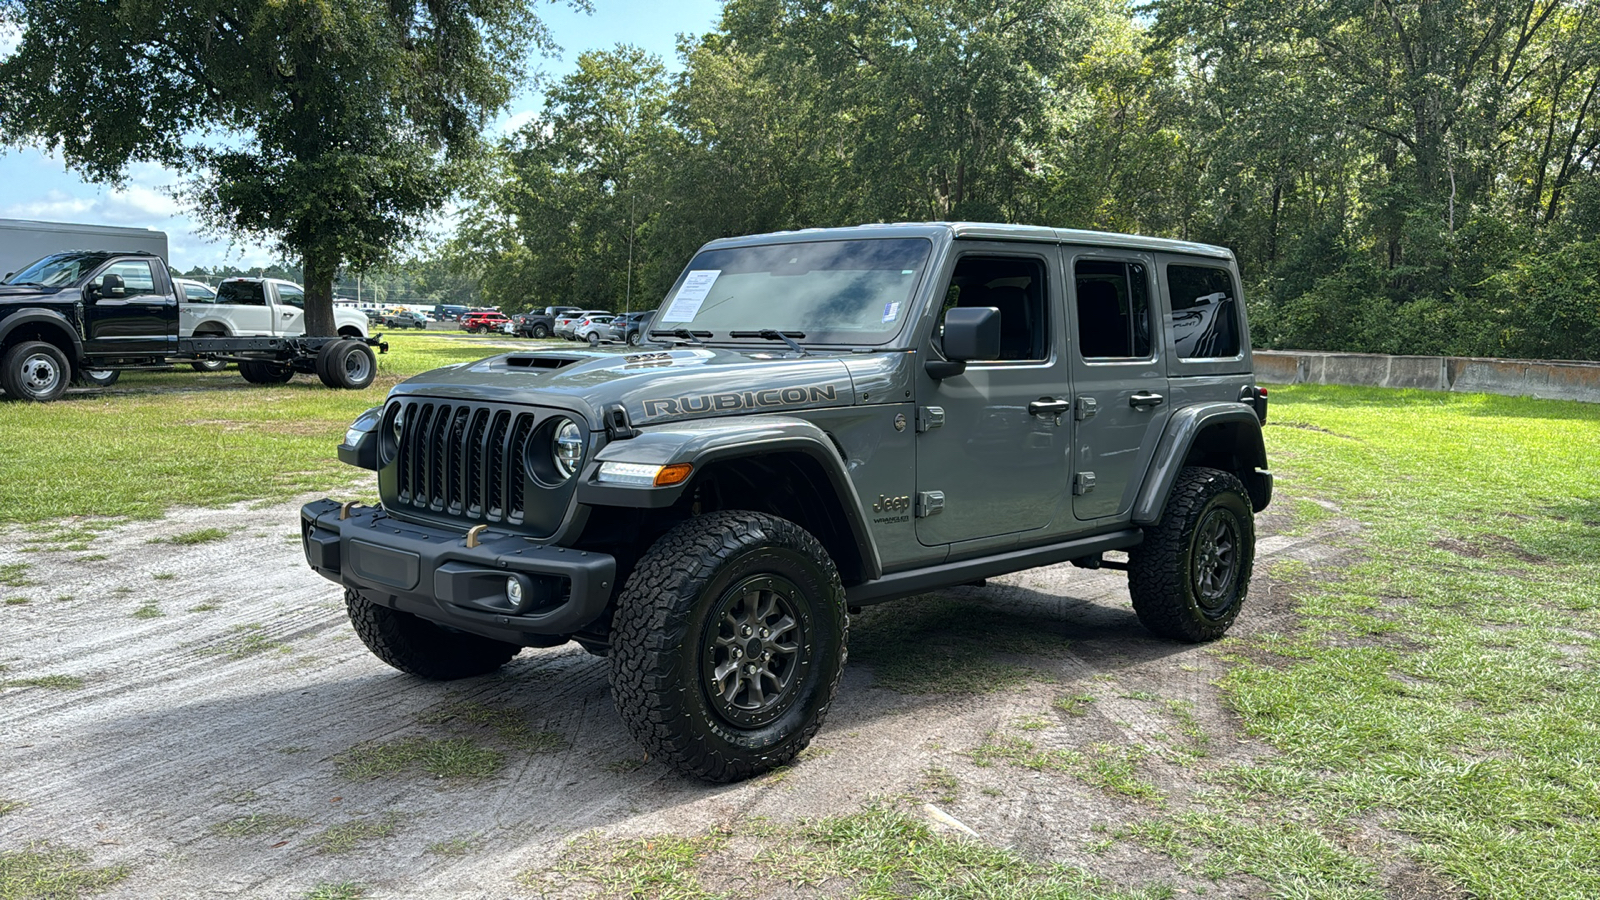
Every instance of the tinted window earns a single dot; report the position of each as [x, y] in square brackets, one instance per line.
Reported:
[1205, 314]
[1014, 286]
[293, 296]
[197, 293]
[1113, 309]
[243, 293]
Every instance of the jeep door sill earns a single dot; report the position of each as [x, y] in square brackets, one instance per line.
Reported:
[917, 581]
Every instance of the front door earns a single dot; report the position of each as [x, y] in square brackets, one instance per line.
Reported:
[290, 309]
[990, 444]
[139, 320]
[1120, 404]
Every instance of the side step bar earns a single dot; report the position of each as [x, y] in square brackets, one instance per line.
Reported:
[917, 581]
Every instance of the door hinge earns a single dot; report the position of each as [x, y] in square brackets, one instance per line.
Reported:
[929, 503]
[1083, 483]
[929, 418]
[1085, 408]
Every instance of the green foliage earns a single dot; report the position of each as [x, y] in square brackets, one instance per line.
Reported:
[1394, 177]
[331, 128]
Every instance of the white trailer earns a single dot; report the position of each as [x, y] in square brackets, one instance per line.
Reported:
[22, 241]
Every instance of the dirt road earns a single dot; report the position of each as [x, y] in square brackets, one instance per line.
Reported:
[200, 713]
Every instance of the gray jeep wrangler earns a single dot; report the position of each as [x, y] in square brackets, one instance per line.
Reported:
[821, 420]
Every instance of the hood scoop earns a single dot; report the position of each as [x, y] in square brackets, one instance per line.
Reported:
[516, 361]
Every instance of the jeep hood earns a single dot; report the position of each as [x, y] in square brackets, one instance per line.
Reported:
[653, 386]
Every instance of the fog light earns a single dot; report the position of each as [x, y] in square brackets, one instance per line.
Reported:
[514, 591]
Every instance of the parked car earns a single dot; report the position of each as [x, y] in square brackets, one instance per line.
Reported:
[593, 329]
[449, 312]
[405, 318]
[630, 328]
[541, 324]
[479, 322]
[567, 323]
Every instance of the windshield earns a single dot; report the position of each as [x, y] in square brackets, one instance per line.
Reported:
[836, 292]
[59, 269]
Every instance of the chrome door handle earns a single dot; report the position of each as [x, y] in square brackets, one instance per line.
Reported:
[1045, 406]
[1146, 400]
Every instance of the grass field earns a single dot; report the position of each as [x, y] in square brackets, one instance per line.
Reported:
[186, 438]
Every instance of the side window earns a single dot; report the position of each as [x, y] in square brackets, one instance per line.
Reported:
[1014, 286]
[136, 276]
[292, 295]
[242, 293]
[1205, 314]
[1113, 309]
[197, 294]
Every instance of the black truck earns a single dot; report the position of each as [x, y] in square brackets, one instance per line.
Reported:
[85, 315]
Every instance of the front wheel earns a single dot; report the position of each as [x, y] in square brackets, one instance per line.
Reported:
[418, 647]
[35, 370]
[1190, 576]
[727, 644]
[540, 332]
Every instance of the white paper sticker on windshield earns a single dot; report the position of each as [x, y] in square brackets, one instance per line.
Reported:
[890, 310]
[686, 303]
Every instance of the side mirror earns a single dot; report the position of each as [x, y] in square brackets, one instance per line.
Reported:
[970, 333]
[111, 286]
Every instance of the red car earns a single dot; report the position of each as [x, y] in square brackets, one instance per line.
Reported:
[479, 322]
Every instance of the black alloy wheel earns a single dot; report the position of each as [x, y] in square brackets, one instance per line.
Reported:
[752, 650]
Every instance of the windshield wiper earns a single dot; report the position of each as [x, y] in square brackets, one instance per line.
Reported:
[773, 334]
[692, 337]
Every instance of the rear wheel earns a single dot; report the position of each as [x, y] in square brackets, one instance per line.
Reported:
[209, 365]
[418, 647]
[98, 377]
[1189, 577]
[594, 339]
[727, 644]
[633, 339]
[346, 365]
[35, 370]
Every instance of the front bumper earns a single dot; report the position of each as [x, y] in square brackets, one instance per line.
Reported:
[432, 573]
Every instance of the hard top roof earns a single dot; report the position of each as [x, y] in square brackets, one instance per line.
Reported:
[983, 231]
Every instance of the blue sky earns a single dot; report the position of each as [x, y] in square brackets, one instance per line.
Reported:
[34, 185]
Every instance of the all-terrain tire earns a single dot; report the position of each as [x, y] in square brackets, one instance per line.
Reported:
[1189, 577]
[265, 372]
[418, 647]
[678, 616]
[35, 370]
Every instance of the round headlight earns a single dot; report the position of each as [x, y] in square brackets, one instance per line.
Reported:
[397, 423]
[566, 448]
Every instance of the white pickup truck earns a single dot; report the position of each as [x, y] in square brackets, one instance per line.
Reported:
[253, 307]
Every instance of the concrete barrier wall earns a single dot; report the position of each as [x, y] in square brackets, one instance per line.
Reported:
[1544, 379]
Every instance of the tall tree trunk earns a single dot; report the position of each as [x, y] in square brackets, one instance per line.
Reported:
[319, 268]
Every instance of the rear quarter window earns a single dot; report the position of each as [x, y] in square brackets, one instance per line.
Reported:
[1205, 311]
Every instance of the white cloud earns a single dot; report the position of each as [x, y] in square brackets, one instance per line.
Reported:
[515, 122]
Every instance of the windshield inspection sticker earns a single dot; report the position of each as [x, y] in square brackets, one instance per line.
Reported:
[890, 310]
[686, 303]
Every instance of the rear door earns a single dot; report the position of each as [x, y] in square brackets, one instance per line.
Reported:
[1120, 402]
[139, 320]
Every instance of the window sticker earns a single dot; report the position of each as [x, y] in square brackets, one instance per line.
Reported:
[686, 303]
[890, 310]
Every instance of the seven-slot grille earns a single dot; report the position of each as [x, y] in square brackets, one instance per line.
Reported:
[463, 460]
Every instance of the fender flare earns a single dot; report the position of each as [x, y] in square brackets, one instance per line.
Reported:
[1182, 431]
[36, 316]
[702, 443]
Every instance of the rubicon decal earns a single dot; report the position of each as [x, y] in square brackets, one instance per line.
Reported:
[737, 400]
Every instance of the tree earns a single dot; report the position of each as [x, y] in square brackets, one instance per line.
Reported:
[331, 128]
